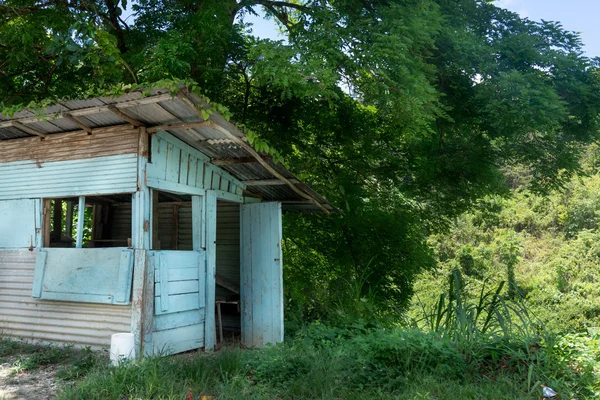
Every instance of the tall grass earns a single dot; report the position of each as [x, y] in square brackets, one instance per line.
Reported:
[491, 315]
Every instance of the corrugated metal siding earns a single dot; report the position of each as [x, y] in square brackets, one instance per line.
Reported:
[102, 175]
[52, 321]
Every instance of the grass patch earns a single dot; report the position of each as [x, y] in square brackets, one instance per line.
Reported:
[23, 355]
[333, 363]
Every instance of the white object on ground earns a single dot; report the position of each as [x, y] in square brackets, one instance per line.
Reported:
[548, 392]
[122, 347]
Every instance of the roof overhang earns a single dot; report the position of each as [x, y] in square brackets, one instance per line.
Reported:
[179, 114]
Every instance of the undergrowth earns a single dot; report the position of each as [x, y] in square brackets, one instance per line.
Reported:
[357, 362]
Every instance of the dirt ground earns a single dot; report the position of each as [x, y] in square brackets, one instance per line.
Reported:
[39, 384]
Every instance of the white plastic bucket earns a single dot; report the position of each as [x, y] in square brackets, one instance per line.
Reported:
[122, 347]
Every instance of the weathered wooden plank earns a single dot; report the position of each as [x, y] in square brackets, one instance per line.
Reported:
[163, 268]
[177, 287]
[221, 195]
[208, 176]
[192, 171]
[197, 222]
[179, 274]
[104, 142]
[184, 166]
[38, 277]
[262, 277]
[227, 284]
[216, 182]
[179, 319]
[181, 144]
[17, 223]
[174, 187]
[142, 297]
[125, 274]
[246, 287]
[173, 157]
[86, 275]
[176, 303]
[80, 222]
[211, 268]
[178, 340]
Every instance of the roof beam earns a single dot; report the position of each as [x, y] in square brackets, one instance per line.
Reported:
[185, 125]
[247, 193]
[78, 123]
[254, 153]
[268, 182]
[28, 129]
[115, 110]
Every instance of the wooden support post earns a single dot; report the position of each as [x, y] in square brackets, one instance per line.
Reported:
[80, 222]
[46, 223]
[143, 274]
[211, 268]
[142, 303]
[155, 240]
[69, 218]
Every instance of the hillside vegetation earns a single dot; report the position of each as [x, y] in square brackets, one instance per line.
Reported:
[547, 246]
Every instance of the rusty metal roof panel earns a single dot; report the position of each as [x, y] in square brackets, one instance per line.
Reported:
[151, 114]
[160, 109]
[79, 104]
[178, 108]
[105, 118]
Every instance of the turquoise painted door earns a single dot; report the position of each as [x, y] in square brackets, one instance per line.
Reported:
[179, 300]
[261, 273]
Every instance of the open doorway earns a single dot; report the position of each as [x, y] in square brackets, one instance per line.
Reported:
[227, 293]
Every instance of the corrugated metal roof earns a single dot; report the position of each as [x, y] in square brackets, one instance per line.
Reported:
[160, 108]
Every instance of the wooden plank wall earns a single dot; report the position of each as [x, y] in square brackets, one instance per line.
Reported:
[179, 305]
[178, 167]
[83, 324]
[70, 164]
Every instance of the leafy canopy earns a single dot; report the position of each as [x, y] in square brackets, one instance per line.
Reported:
[402, 112]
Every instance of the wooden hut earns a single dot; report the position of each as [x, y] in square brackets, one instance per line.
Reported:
[135, 214]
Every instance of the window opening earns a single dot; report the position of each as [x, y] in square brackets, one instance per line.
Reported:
[172, 221]
[105, 221]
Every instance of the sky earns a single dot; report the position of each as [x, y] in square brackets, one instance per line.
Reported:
[575, 15]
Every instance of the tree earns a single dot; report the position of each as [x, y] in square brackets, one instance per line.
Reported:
[402, 112]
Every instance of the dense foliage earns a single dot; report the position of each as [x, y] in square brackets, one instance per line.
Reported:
[402, 112]
[547, 246]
